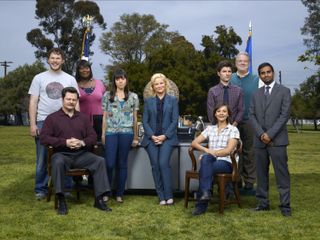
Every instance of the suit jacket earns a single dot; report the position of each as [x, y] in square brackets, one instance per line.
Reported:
[270, 114]
[170, 119]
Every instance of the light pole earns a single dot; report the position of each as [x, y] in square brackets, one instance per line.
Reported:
[5, 64]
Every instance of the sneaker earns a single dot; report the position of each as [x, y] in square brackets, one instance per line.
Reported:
[119, 199]
[170, 201]
[162, 203]
[105, 198]
[41, 196]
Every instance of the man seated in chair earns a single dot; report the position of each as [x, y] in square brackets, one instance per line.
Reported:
[71, 135]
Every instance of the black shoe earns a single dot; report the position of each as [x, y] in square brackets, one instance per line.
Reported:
[286, 212]
[198, 211]
[100, 204]
[261, 208]
[248, 186]
[62, 206]
[206, 196]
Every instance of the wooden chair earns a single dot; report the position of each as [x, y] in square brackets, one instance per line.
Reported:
[221, 179]
[77, 173]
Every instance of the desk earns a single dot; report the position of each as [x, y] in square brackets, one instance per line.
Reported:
[140, 173]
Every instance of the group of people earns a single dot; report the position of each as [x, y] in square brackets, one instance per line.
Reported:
[240, 110]
[72, 114]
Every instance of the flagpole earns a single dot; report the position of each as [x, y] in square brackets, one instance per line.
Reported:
[249, 46]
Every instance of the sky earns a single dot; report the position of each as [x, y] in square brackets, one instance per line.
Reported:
[276, 30]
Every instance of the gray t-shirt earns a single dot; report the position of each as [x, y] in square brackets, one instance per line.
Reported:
[48, 86]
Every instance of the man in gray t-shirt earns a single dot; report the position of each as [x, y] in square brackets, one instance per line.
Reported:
[45, 98]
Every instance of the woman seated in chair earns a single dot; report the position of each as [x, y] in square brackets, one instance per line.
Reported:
[222, 139]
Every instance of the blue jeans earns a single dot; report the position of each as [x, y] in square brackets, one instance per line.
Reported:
[41, 181]
[161, 170]
[209, 167]
[117, 149]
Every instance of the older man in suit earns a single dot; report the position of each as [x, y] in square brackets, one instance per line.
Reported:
[269, 113]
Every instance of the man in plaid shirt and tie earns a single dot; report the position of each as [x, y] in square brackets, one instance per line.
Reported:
[226, 93]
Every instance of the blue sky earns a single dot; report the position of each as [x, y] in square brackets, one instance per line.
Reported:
[276, 29]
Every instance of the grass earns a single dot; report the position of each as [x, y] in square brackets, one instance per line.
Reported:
[22, 217]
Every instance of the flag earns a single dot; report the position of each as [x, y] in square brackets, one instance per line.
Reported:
[86, 44]
[249, 47]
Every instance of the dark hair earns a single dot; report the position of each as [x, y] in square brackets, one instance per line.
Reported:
[57, 51]
[223, 64]
[265, 64]
[216, 109]
[83, 64]
[119, 73]
[69, 90]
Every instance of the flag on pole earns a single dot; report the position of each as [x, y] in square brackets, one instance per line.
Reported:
[249, 47]
[86, 44]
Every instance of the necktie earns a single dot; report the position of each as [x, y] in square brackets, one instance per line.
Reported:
[267, 91]
[225, 95]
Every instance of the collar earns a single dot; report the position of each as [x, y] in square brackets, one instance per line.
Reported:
[222, 85]
[76, 113]
[242, 76]
[271, 85]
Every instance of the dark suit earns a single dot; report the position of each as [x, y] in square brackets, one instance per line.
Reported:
[160, 154]
[269, 114]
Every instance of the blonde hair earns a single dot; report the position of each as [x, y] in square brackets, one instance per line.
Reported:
[155, 77]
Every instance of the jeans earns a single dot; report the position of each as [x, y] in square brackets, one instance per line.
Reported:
[41, 181]
[209, 167]
[117, 149]
[160, 156]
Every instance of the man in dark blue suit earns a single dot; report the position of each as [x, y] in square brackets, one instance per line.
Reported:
[269, 113]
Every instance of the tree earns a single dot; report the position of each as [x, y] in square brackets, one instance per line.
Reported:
[183, 64]
[134, 37]
[308, 99]
[224, 44]
[311, 30]
[60, 24]
[221, 46]
[14, 89]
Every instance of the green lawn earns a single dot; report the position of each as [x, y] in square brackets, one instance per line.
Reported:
[22, 217]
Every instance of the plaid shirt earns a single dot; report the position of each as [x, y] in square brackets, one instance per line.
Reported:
[215, 96]
[220, 140]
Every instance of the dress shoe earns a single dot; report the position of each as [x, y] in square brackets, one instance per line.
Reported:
[206, 196]
[261, 208]
[286, 213]
[198, 211]
[248, 186]
[62, 206]
[100, 204]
